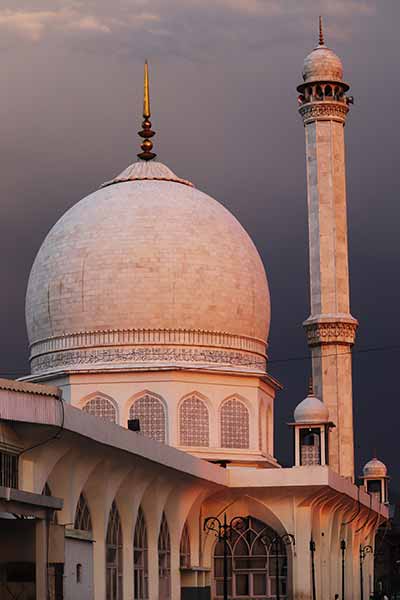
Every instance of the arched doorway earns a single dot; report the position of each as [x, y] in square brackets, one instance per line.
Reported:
[257, 564]
[114, 556]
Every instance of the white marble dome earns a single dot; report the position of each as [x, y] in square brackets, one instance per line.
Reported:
[147, 270]
[311, 410]
[375, 468]
[322, 64]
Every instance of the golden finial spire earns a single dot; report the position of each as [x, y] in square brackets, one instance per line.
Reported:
[321, 33]
[146, 132]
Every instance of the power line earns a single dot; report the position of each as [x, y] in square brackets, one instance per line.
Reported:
[352, 352]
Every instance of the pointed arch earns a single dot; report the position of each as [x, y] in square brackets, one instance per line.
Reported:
[46, 491]
[114, 571]
[83, 520]
[184, 550]
[140, 558]
[100, 405]
[234, 424]
[164, 560]
[194, 421]
[150, 409]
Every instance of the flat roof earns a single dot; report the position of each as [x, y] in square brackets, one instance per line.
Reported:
[49, 409]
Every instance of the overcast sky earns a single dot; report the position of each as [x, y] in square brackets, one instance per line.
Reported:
[223, 86]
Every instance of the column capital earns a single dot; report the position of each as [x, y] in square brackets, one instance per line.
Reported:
[330, 329]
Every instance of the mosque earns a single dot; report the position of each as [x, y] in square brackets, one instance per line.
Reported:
[137, 458]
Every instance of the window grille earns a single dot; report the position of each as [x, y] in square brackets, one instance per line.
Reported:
[310, 447]
[194, 422]
[82, 515]
[164, 561]
[114, 556]
[151, 413]
[140, 558]
[234, 424]
[185, 548]
[254, 559]
[99, 406]
[8, 469]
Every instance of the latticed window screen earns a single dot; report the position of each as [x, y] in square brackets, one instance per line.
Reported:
[310, 447]
[184, 550]
[151, 413]
[99, 406]
[8, 469]
[194, 422]
[257, 564]
[82, 515]
[114, 556]
[234, 424]
[140, 558]
[164, 561]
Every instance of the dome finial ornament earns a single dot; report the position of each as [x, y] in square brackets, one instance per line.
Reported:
[146, 132]
[310, 386]
[321, 32]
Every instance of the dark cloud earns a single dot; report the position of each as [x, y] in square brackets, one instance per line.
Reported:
[224, 106]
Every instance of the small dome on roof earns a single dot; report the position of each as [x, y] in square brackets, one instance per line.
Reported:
[322, 64]
[375, 468]
[311, 410]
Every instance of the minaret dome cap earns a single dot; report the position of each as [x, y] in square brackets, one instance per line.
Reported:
[322, 64]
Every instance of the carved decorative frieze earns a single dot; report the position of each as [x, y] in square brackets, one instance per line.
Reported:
[323, 111]
[330, 333]
[102, 357]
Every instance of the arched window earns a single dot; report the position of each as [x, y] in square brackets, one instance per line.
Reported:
[194, 422]
[82, 515]
[257, 563]
[234, 424]
[78, 573]
[164, 561]
[99, 406]
[151, 413]
[46, 491]
[140, 558]
[114, 556]
[184, 551]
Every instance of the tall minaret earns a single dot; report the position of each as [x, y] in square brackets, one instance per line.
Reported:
[330, 327]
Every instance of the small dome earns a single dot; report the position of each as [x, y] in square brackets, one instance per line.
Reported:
[322, 64]
[311, 410]
[375, 468]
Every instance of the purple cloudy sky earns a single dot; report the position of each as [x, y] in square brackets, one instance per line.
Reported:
[223, 79]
